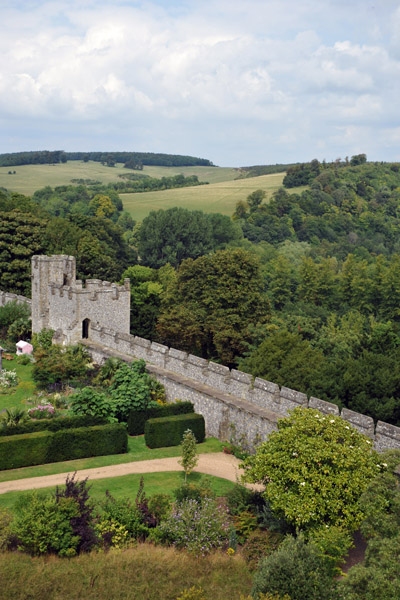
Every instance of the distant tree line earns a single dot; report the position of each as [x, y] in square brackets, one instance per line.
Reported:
[40, 157]
[141, 158]
[133, 160]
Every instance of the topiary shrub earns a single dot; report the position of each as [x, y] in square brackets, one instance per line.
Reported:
[168, 431]
[137, 418]
[54, 424]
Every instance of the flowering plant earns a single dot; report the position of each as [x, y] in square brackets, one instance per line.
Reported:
[8, 379]
[42, 411]
[197, 527]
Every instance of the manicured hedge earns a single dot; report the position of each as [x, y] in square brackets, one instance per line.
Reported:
[54, 424]
[138, 418]
[168, 431]
[66, 444]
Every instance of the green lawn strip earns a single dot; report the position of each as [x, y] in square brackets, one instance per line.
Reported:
[128, 485]
[25, 389]
[137, 450]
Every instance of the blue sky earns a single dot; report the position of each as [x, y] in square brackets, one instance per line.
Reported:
[240, 83]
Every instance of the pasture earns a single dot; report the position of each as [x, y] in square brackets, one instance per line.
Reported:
[219, 197]
[29, 178]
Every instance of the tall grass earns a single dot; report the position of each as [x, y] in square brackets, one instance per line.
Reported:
[142, 573]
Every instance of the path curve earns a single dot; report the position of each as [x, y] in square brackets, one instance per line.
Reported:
[217, 464]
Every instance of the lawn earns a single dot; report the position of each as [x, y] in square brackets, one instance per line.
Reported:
[29, 178]
[25, 389]
[137, 450]
[128, 485]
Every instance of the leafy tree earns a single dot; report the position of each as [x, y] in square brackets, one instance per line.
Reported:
[215, 301]
[297, 569]
[189, 452]
[172, 235]
[315, 468]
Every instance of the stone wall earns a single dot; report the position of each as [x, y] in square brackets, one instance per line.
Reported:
[225, 397]
[5, 297]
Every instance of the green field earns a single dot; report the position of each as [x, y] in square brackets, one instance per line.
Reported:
[217, 197]
[29, 178]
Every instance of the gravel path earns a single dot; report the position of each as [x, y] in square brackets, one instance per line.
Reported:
[217, 464]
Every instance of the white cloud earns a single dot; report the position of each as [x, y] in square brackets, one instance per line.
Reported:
[285, 76]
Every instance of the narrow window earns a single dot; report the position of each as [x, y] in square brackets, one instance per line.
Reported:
[85, 328]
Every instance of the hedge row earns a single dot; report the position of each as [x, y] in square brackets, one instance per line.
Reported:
[168, 431]
[43, 447]
[53, 424]
[138, 418]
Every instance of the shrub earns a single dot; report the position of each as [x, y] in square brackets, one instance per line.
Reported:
[110, 533]
[11, 312]
[245, 523]
[57, 365]
[65, 444]
[24, 450]
[137, 418]
[334, 543]
[12, 419]
[5, 528]
[193, 491]
[53, 424]
[259, 544]
[99, 440]
[297, 569]
[126, 514]
[240, 498]
[8, 379]
[92, 402]
[198, 528]
[131, 389]
[43, 339]
[24, 359]
[159, 506]
[81, 522]
[43, 525]
[316, 467]
[168, 431]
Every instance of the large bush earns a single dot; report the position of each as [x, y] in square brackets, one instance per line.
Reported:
[57, 365]
[297, 569]
[315, 468]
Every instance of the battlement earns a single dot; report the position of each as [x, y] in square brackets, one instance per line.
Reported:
[63, 303]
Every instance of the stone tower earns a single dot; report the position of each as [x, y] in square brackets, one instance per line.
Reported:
[62, 303]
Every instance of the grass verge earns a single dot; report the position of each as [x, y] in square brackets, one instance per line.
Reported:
[137, 450]
[144, 573]
[126, 486]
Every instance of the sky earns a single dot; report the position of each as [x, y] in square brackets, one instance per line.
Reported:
[240, 82]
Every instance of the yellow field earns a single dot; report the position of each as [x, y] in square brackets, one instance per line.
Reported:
[218, 197]
[29, 178]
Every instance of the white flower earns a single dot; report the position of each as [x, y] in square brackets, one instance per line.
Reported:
[384, 464]
[294, 453]
[303, 483]
[331, 420]
[347, 427]
[368, 442]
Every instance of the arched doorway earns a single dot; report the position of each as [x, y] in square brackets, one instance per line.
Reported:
[85, 328]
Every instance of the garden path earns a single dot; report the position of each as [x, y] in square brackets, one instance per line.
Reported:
[217, 464]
